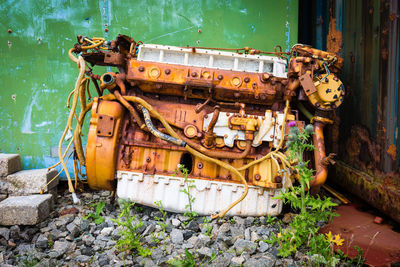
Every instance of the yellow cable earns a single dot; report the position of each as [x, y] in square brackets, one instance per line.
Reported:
[204, 157]
[81, 66]
[65, 153]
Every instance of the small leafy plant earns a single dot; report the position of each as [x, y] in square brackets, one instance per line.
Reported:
[190, 213]
[207, 226]
[130, 238]
[303, 229]
[96, 216]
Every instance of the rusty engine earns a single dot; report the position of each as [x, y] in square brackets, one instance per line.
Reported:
[223, 114]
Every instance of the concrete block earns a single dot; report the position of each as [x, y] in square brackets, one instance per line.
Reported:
[25, 210]
[31, 181]
[9, 163]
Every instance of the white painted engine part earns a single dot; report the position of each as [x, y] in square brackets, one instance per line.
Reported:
[210, 196]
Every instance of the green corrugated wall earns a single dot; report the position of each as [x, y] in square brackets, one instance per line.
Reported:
[36, 75]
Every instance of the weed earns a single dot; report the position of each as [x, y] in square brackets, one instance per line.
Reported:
[161, 221]
[232, 221]
[130, 239]
[303, 229]
[96, 216]
[189, 260]
[270, 220]
[188, 185]
[207, 226]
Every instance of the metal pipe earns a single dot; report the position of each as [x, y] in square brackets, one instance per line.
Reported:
[134, 115]
[319, 155]
[157, 133]
[217, 154]
[209, 135]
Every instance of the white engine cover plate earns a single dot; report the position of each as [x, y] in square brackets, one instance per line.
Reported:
[210, 196]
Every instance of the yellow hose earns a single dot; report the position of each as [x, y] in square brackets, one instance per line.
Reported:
[81, 65]
[209, 159]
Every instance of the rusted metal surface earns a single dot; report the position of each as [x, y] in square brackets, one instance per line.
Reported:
[222, 115]
[367, 36]
[382, 191]
[379, 243]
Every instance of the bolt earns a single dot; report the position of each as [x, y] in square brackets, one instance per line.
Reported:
[167, 71]
[317, 105]
[148, 159]
[194, 74]
[220, 77]
[200, 165]
[246, 80]
[141, 69]
[257, 177]
[9, 31]
[229, 177]
[278, 179]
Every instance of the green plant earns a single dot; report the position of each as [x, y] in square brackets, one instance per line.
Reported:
[270, 219]
[188, 185]
[189, 260]
[303, 229]
[161, 221]
[96, 216]
[207, 226]
[130, 239]
[232, 221]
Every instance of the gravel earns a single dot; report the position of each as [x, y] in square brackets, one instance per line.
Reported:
[66, 239]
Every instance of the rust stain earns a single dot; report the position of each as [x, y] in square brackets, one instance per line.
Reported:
[392, 151]
[334, 39]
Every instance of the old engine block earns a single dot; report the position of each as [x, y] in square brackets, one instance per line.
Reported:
[223, 115]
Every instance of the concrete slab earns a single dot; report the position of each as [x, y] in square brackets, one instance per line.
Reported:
[30, 181]
[25, 210]
[9, 163]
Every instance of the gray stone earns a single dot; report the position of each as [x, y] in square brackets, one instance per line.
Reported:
[9, 163]
[236, 233]
[25, 210]
[157, 254]
[204, 240]
[254, 237]
[224, 228]
[248, 221]
[263, 246]
[244, 245]
[247, 234]
[205, 251]
[3, 196]
[150, 229]
[176, 222]
[88, 240]
[42, 241]
[260, 262]
[82, 258]
[237, 260]
[73, 229]
[107, 231]
[31, 181]
[64, 220]
[193, 240]
[5, 232]
[62, 247]
[192, 225]
[176, 236]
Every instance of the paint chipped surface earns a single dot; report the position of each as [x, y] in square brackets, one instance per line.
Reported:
[40, 75]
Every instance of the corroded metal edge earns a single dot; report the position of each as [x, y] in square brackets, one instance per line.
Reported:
[384, 197]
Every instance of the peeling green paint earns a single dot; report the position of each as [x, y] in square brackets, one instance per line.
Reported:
[37, 75]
